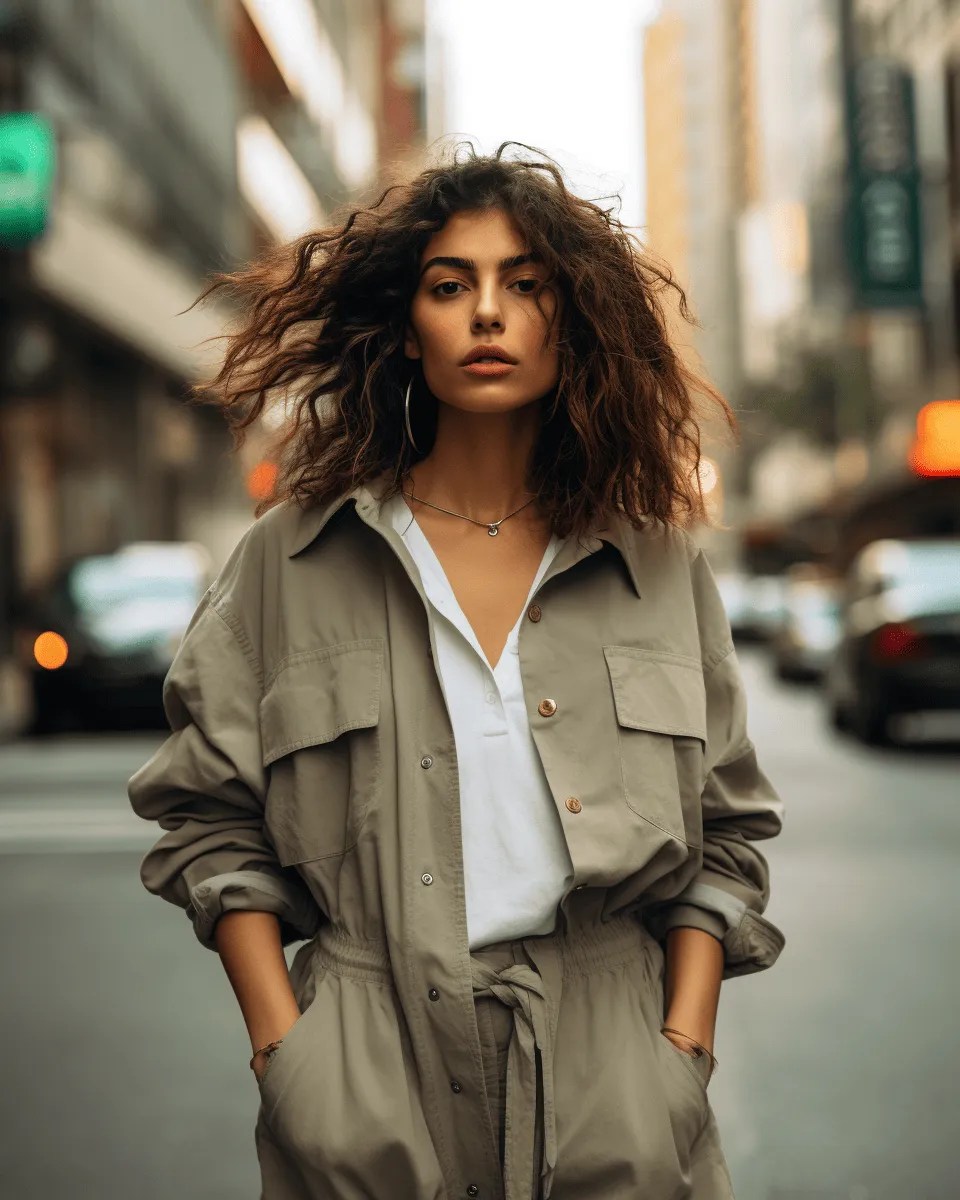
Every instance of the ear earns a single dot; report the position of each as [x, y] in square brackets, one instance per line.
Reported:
[411, 344]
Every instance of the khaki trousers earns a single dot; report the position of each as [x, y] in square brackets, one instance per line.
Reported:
[591, 1101]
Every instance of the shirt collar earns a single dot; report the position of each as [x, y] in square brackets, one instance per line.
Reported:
[615, 530]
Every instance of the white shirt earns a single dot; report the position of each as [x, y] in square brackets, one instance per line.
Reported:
[515, 857]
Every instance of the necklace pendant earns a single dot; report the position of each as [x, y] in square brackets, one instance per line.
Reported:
[493, 530]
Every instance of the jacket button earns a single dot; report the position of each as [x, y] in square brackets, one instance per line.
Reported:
[426, 762]
[426, 877]
[433, 994]
[455, 1086]
[473, 1190]
[573, 804]
[546, 708]
[534, 612]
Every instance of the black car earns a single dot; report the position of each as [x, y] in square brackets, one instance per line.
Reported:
[899, 648]
[98, 641]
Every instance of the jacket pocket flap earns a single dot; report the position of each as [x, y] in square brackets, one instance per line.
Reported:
[316, 695]
[658, 691]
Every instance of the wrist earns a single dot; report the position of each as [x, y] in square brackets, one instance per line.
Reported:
[689, 1031]
[690, 1046]
[273, 1024]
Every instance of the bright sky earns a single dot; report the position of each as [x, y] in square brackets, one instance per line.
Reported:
[549, 75]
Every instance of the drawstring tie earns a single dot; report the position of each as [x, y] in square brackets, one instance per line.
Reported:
[524, 991]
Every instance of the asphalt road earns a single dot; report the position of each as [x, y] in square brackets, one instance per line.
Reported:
[125, 1058]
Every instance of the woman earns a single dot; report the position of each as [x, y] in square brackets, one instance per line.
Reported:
[462, 710]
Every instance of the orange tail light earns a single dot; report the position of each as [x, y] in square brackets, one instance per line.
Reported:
[50, 650]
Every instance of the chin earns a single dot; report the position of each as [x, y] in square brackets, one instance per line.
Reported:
[489, 396]
[490, 403]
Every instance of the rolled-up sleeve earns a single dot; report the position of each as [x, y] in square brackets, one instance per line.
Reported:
[206, 787]
[729, 894]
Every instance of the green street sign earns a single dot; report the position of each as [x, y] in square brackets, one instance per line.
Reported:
[884, 233]
[27, 165]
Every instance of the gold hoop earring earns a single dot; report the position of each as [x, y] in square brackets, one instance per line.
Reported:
[406, 416]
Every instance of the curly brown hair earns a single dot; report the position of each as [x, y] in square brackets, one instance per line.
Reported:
[322, 326]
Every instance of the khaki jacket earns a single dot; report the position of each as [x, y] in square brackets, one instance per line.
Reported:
[311, 768]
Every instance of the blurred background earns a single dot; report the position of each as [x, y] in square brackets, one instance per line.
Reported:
[797, 163]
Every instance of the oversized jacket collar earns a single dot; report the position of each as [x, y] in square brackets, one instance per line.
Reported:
[617, 531]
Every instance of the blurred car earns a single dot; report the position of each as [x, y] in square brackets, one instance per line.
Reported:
[765, 598]
[734, 587]
[809, 629]
[753, 603]
[98, 641]
[899, 650]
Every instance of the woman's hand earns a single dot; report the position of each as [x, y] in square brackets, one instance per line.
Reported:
[261, 1063]
[261, 1060]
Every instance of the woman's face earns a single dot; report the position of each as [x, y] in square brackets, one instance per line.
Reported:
[478, 290]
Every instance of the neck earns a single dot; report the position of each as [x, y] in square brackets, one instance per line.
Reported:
[479, 462]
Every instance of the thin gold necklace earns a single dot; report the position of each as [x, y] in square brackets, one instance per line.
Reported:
[493, 527]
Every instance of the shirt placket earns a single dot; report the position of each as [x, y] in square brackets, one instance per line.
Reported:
[441, 596]
[518, 1164]
[466, 1142]
[471, 1162]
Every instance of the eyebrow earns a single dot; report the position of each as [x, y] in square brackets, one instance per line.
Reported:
[468, 264]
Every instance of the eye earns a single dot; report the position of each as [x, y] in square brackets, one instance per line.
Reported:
[447, 283]
[526, 286]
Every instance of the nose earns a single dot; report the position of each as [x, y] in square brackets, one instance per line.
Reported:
[487, 314]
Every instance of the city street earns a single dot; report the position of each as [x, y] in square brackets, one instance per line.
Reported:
[125, 1057]
[690, 262]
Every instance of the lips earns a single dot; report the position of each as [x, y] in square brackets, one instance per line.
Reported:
[488, 354]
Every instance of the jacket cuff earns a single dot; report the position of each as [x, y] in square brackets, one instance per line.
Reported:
[753, 945]
[253, 891]
[750, 941]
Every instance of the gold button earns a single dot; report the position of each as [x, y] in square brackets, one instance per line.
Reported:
[534, 612]
[546, 708]
[573, 804]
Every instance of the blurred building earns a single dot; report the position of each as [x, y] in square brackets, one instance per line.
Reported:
[189, 134]
[802, 375]
[872, 340]
[703, 164]
[849, 363]
[924, 38]
[803, 178]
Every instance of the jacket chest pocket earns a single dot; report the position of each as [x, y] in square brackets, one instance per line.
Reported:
[661, 707]
[318, 725]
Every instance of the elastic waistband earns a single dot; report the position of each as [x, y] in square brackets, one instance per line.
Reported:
[344, 954]
[580, 950]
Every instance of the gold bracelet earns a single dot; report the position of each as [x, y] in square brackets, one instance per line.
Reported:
[268, 1046]
[700, 1049]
